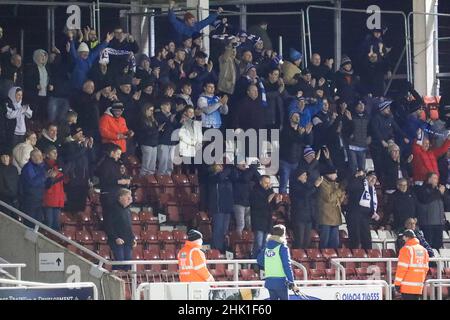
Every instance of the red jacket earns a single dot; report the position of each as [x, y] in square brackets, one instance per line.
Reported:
[54, 194]
[426, 161]
[110, 127]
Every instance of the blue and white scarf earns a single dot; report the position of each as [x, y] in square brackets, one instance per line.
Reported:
[262, 89]
[104, 56]
[367, 197]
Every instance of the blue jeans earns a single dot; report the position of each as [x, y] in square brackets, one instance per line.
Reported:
[51, 217]
[259, 243]
[121, 253]
[279, 294]
[221, 223]
[57, 109]
[329, 236]
[357, 160]
[286, 169]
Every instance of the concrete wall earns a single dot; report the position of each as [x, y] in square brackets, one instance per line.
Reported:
[16, 248]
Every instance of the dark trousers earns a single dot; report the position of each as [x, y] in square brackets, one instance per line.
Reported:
[358, 225]
[378, 153]
[407, 296]
[51, 217]
[121, 253]
[34, 210]
[302, 235]
[76, 197]
[279, 294]
[433, 234]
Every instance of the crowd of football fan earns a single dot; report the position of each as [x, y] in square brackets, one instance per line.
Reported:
[71, 118]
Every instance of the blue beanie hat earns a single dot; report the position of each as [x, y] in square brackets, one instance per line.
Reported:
[383, 105]
[308, 151]
[295, 55]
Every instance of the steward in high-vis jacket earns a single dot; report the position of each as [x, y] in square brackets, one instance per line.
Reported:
[192, 260]
[412, 268]
[276, 262]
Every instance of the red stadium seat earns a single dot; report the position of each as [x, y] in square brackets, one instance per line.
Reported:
[315, 255]
[104, 251]
[149, 237]
[374, 253]
[173, 213]
[346, 253]
[67, 219]
[69, 233]
[317, 274]
[388, 253]
[179, 236]
[166, 237]
[84, 237]
[248, 275]
[138, 253]
[446, 273]
[137, 229]
[135, 219]
[146, 216]
[299, 255]
[330, 274]
[329, 253]
[298, 274]
[99, 237]
[350, 274]
[361, 273]
[213, 254]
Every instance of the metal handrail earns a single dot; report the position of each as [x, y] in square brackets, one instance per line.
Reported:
[408, 62]
[39, 225]
[235, 263]
[410, 14]
[336, 262]
[17, 266]
[68, 285]
[258, 284]
[433, 283]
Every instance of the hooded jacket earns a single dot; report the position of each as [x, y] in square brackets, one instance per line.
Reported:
[37, 74]
[9, 183]
[110, 127]
[14, 110]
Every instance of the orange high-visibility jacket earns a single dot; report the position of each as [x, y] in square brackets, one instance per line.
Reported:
[412, 267]
[192, 264]
[110, 127]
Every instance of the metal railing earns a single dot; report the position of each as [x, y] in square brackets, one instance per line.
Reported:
[17, 266]
[406, 43]
[433, 283]
[340, 269]
[236, 267]
[145, 286]
[42, 285]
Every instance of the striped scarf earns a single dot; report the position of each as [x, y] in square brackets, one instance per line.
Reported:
[104, 56]
[262, 89]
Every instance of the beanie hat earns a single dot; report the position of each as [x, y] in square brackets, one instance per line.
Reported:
[201, 55]
[300, 170]
[295, 55]
[383, 105]
[329, 169]
[409, 233]
[308, 151]
[125, 79]
[345, 60]
[83, 47]
[242, 33]
[249, 66]
[188, 16]
[74, 129]
[194, 235]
